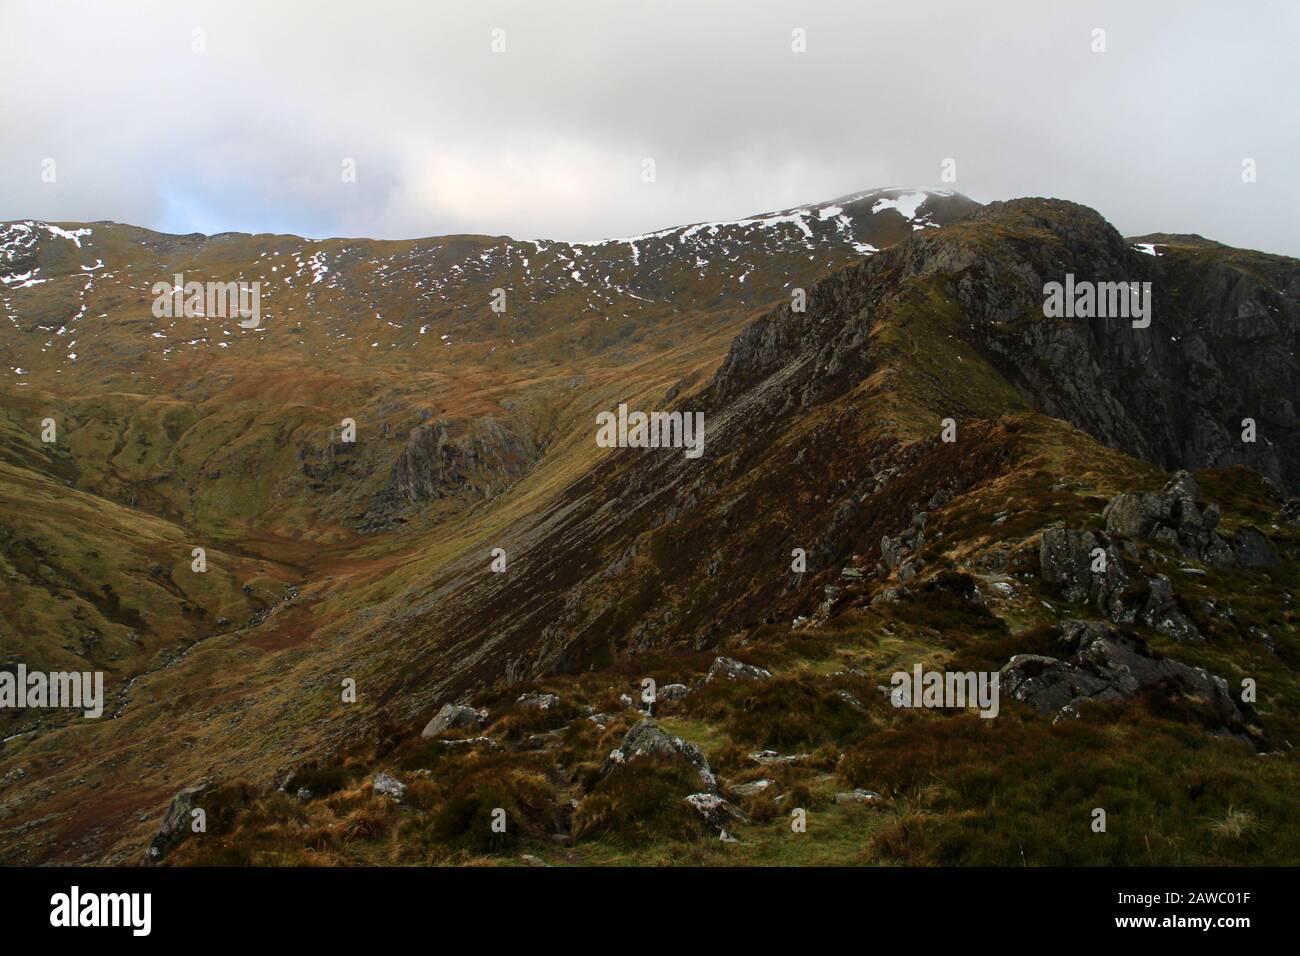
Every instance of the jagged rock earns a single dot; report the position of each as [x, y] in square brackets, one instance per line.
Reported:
[1103, 664]
[600, 720]
[892, 551]
[454, 717]
[305, 795]
[857, 796]
[647, 739]
[1066, 560]
[940, 498]
[733, 669]
[1290, 513]
[1173, 516]
[910, 567]
[176, 821]
[388, 786]
[717, 813]
[671, 692]
[1162, 612]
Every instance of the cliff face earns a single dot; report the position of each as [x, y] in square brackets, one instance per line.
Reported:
[1220, 349]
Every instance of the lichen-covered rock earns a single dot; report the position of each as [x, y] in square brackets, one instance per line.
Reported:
[1163, 613]
[647, 739]
[1176, 517]
[388, 786]
[717, 813]
[753, 788]
[857, 796]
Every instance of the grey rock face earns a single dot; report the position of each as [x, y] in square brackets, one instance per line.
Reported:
[480, 458]
[177, 820]
[454, 717]
[1067, 559]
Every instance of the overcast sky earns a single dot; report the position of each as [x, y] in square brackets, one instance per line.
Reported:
[547, 139]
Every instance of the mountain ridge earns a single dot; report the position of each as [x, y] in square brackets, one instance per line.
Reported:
[824, 433]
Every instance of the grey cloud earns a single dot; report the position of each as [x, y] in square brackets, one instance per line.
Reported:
[547, 139]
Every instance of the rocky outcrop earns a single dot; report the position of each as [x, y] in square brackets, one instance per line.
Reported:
[648, 739]
[1163, 613]
[1176, 516]
[441, 459]
[1087, 568]
[672, 692]
[1098, 663]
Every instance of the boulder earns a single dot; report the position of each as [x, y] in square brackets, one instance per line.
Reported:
[771, 757]
[176, 821]
[454, 717]
[752, 788]
[1174, 516]
[388, 786]
[892, 551]
[1163, 613]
